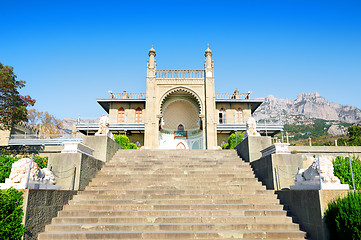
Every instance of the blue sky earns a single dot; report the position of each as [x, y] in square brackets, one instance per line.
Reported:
[72, 52]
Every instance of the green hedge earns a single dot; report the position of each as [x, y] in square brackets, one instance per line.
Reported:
[342, 170]
[11, 214]
[343, 217]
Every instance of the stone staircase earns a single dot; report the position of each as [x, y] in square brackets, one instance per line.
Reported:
[174, 194]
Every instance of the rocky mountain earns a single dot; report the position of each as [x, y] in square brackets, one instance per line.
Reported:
[306, 107]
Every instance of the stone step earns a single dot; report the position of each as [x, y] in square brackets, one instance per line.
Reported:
[170, 219]
[180, 185]
[172, 213]
[162, 194]
[172, 193]
[91, 195]
[139, 179]
[137, 192]
[175, 235]
[205, 176]
[137, 207]
[172, 227]
[172, 201]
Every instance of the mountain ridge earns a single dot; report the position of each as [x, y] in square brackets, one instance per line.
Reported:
[311, 106]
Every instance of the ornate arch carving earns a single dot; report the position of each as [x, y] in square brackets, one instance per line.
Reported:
[181, 89]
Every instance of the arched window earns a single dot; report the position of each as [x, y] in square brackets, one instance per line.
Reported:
[138, 115]
[181, 146]
[222, 116]
[121, 115]
[180, 128]
[239, 115]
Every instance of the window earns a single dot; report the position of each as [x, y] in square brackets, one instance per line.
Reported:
[180, 128]
[121, 115]
[222, 116]
[239, 115]
[138, 115]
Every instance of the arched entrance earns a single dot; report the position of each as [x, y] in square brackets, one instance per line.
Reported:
[181, 146]
[180, 125]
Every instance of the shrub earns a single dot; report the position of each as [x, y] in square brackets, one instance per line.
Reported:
[342, 170]
[41, 161]
[7, 160]
[132, 146]
[225, 146]
[11, 214]
[343, 217]
[123, 141]
[233, 141]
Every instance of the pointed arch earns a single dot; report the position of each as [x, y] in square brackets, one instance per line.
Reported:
[121, 115]
[138, 115]
[222, 116]
[181, 146]
[239, 115]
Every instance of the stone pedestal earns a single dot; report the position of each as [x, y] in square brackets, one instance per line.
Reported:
[316, 185]
[250, 148]
[31, 185]
[276, 148]
[77, 147]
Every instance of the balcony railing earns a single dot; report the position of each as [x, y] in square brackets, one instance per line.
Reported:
[226, 96]
[126, 95]
[180, 134]
[179, 74]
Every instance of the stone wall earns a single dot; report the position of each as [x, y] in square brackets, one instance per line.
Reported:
[4, 137]
[278, 171]
[39, 207]
[250, 148]
[326, 150]
[104, 147]
[42, 151]
[73, 171]
[309, 207]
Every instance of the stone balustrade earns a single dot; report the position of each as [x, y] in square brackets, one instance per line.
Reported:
[179, 74]
[220, 96]
[126, 95]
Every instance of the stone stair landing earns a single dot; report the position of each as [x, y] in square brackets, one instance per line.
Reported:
[174, 194]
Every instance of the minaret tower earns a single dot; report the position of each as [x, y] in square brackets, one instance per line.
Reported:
[210, 105]
[151, 120]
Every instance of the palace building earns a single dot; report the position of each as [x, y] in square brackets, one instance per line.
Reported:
[180, 110]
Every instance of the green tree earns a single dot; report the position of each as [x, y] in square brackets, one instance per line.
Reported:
[234, 140]
[46, 123]
[12, 104]
[342, 170]
[342, 217]
[123, 141]
[354, 133]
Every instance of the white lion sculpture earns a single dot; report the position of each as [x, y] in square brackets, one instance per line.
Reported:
[251, 126]
[104, 127]
[313, 172]
[19, 173]
[310, 178]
